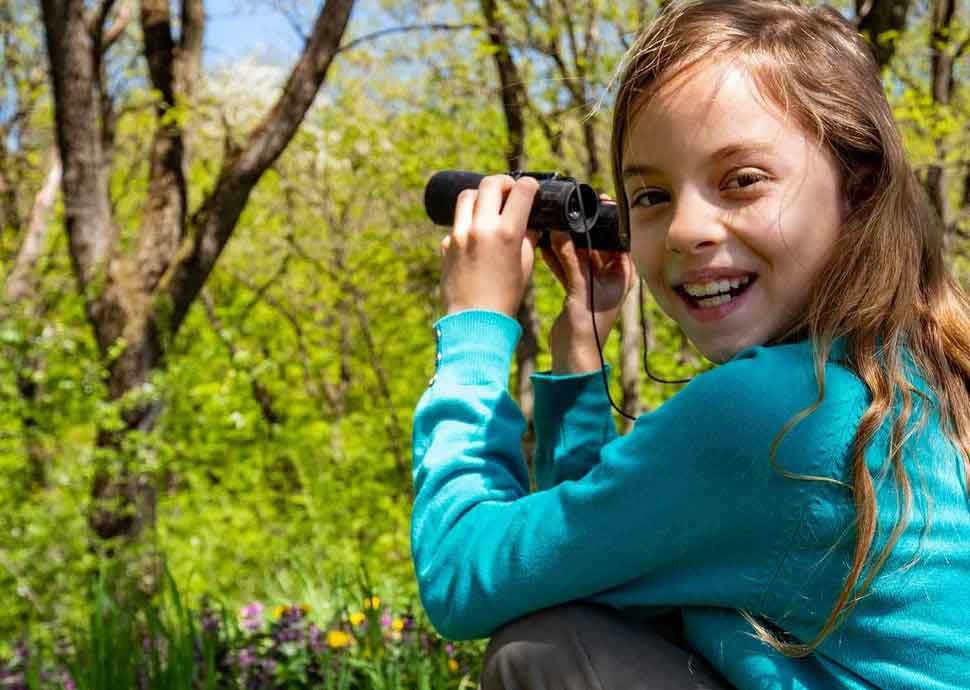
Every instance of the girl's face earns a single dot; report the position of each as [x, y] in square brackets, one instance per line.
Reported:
[724, 189]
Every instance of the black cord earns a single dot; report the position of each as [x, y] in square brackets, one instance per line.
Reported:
[592, 311]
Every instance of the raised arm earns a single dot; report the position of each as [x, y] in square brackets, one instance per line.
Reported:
[686, 497]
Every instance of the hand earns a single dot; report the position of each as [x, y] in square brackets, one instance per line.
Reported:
[572, 339]
[488, 256]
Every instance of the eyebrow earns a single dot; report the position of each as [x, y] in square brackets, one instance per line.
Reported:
[719, 155]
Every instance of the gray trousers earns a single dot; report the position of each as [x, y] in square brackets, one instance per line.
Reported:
[583, 646]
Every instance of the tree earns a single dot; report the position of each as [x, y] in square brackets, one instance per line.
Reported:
[137, 299]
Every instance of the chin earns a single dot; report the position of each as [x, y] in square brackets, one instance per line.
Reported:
[719, 354]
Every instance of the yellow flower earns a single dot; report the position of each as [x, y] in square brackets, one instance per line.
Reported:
[397, 624]
[305, 607]
[356, 618]
[278, 611]
[453, 665]
[338, 638]
[372, 603]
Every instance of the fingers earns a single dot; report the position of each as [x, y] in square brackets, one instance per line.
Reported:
[519, 203]
[488, 204]
[483, 208]
[464, 212]
[552, 261]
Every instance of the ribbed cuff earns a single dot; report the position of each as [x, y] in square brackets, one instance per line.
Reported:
[557, 394]
[476, 347]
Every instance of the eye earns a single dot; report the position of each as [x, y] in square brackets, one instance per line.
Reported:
[746, 179]
[655, 196]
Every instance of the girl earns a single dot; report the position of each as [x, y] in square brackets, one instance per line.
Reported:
[803, 506]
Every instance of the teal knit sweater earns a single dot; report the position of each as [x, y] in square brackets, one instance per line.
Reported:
[686, 511]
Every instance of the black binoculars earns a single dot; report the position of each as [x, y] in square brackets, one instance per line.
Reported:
[562, 204]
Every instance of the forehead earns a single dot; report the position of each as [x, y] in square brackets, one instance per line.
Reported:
[709, 108]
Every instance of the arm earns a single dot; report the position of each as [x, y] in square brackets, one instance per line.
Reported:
[573, 421]
[686, 504]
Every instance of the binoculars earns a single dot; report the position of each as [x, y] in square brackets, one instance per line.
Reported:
[561, 204]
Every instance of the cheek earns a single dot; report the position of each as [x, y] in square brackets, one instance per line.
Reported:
[646, 255]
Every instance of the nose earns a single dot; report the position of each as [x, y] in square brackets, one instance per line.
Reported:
[695, 225]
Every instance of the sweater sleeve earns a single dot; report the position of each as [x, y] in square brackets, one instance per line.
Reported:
[686, 504]
[573, 420]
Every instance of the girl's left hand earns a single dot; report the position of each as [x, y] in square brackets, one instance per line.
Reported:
[489, 253]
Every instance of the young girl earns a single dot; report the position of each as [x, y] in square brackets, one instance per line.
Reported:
[802, 506]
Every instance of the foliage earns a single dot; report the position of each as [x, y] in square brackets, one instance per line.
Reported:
[281, 459]
[160, 644]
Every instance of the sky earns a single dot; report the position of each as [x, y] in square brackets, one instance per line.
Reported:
[235, 29]
[260, 29]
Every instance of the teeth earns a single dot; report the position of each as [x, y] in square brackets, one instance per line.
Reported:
[715, 286]
[714, 301]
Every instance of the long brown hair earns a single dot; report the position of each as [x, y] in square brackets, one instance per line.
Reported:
[885, 287]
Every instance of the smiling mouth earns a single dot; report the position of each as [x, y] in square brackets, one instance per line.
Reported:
[711, 301]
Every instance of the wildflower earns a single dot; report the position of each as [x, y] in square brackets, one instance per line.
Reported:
[397, 624]
[449, 649]
[252, 616]
[452, 665]
[304, 608]
[372, 602]
[246, 657]
[338, 638]
[210, 621]
[316, 639]
[356, 618]
[278, 611]
[386, 620]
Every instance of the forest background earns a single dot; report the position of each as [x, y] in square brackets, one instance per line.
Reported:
[219, 280]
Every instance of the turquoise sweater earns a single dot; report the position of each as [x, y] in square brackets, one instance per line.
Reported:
[685, 511]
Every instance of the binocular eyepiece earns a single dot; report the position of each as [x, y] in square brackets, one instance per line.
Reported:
[561, 204]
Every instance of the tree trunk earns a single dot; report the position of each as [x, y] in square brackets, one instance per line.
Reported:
[137, 301]
[513, 106]
[631, 354]
[937, 181]
[22, 297]
[876, 19]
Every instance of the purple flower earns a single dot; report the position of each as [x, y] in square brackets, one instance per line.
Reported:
[210, 623]
[386, 620]
[317, 644]
[246, 657]
[252, 616]
[449, 649]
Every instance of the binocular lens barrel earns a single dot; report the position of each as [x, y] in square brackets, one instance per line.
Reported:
[560, 204]
[556, 205]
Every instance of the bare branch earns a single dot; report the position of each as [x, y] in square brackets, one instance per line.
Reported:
[121, 22]
[189, 61]
[21, 282]
[405, 29]
[216, 219]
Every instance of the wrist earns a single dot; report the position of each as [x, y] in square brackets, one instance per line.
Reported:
[574, 349]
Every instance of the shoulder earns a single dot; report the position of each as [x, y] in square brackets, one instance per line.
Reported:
[740, 407]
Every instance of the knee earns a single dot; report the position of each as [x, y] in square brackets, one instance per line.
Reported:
[531, 646]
